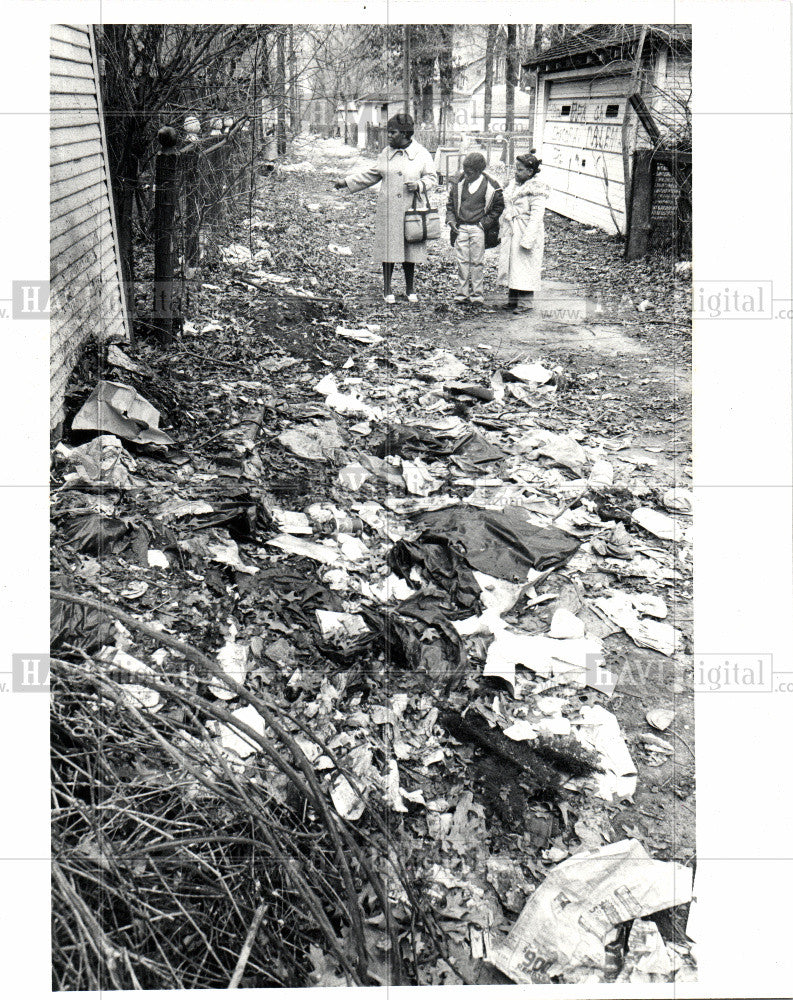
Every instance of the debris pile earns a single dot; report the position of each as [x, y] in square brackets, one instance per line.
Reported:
[345, 660]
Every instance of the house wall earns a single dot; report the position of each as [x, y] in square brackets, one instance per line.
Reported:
[85, 278]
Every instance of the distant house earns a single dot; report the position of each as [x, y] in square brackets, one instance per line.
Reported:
[377, 108]
[582, 111]
[524, 109]
[86, 297]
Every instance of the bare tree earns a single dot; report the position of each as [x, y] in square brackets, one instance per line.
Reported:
[490, 47]
[512, 66]
[280, 89]
[445, 73]
[155, 74]
[343, 63]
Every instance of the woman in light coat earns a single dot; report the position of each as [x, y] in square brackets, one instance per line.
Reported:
[407, 172]
[523, 233]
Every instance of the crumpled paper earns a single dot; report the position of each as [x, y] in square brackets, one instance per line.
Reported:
[118, 409]
[564, 925]
[101, 462]
[601, 731]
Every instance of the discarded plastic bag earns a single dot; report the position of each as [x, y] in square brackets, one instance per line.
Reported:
[95, 533]
[101, 462]
[563, 927]
[505, 544]
[439, 563]
[118, 409]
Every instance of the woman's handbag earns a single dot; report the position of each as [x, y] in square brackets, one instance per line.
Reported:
[421, 223]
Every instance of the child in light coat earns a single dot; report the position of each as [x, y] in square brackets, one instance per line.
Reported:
[523, 234]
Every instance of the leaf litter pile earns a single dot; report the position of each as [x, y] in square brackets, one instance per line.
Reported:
[338, 616]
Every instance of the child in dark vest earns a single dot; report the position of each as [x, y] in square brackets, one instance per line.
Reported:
[472, 211]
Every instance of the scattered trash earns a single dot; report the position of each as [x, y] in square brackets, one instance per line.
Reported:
[311, 550]
[364, 336]
[232, 658]
[303, 167]
[601, 731]
[601, 473]
[647, 958]
[656, 744]
[443, 366]
[563, 928]
[117, 409]
[562, 448]
[157, 559]
[679, 501]
[313, 441]
[651, 634]
[94, 533]
[616, 546]
[565, 625]
[657, 523]
[352, 477]
[236, 253]
[533, 373]
[238, 741]
[341, 251]
[335, 624]
[505, 544]
[568, 660]
[292, 522]
[117, 358]
[227, 551]
[510, 884]
[474, 391]
[660, 718]
[103, 461]
[140, 694]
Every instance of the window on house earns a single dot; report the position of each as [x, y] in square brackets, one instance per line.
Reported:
[565, 109]
[612, 110]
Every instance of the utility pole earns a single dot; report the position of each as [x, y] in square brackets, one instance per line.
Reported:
[406, 67]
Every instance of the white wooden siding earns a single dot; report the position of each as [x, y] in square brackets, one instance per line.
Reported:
[86, 299]
[582, 149]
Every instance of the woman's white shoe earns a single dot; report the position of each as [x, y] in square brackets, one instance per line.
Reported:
[390, 300]
[413, 297]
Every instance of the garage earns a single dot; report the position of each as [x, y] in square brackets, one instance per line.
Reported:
[583, 85]
[582, 150]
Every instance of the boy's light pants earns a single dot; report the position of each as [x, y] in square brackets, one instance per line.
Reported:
[470, 246]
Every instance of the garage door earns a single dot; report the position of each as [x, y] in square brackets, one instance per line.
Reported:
[582, 150]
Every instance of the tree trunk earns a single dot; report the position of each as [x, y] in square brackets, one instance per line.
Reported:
[492, 31]
[280, 85]
[406, 67]
[511, 74]
[446, 74]
[294, 93]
